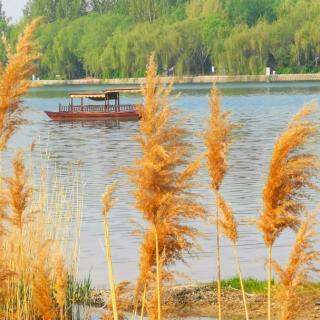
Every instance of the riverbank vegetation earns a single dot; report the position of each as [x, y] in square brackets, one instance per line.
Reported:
[39, 223]
[108, 39]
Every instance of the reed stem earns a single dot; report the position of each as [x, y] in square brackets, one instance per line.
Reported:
[236, 255]
[269, 281]
[158, 275]
[143, 302]
[134, 313]
[218, 264]
[110, 271]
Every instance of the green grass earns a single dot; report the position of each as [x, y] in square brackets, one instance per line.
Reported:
[251, 285]
[79, 291]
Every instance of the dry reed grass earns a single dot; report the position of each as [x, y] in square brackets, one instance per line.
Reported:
[60, 284]
[291, 173]
[33, 252]
[301, 263]
[163, 179]
[218, 139]
[227, 221]
[33, 286]
[13, 202]
[42, 286]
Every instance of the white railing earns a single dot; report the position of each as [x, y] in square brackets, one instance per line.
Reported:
[97, 108]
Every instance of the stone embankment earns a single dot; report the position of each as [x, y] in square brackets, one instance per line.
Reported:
[186, 79]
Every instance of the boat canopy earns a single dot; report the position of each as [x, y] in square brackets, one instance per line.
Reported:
[108, 94]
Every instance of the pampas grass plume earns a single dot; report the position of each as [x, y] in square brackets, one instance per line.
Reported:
[14, 82]
[301, 263]
[19, 191]
[163, 179]
[229, 225]
[291, 173]
[218, 138]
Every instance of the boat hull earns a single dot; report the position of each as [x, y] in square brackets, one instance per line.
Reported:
[68, 115]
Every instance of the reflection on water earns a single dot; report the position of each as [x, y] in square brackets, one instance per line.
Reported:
[109, 123]
[103, 147]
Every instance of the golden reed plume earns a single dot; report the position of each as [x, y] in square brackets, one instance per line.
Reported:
[19, 190]
[227, 221]
[301, 263]
[13, 86]
[218, 139]
[290, 175]
[14, 82]
[163, 179]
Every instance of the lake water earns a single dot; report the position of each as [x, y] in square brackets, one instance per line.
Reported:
[102, 147]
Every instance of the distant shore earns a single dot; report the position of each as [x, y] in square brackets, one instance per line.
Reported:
[185, 79]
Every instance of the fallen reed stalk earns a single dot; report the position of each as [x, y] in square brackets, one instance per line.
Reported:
[301, 262]
[291, 174]
[218, 138]
[107, 200]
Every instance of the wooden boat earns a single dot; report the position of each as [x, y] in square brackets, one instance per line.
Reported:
[109, 109]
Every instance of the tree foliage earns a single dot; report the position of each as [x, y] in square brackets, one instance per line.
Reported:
[114, 38]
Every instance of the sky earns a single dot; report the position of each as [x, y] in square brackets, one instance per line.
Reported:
[14, 8]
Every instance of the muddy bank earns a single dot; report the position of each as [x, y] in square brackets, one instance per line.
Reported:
[200, 300]
[186, 79]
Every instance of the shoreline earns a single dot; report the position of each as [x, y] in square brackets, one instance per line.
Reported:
[185, 79]
[200, 300]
